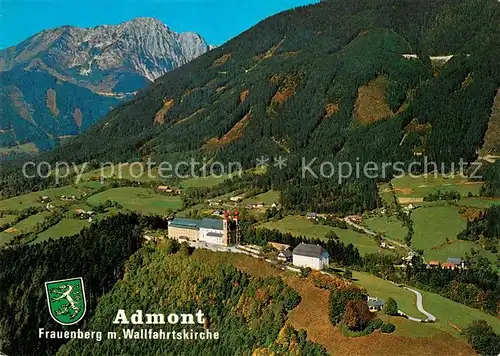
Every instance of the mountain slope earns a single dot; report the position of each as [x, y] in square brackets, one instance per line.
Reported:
[98, 66]
[289, 86]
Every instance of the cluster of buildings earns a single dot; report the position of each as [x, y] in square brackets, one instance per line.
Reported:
[452, 263]
[303, 255]
[84, 214]
[167, 189]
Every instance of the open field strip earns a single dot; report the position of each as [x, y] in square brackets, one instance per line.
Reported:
[143, 200]
[447, 312]
[33, 199]
[65, 227]
[24, 226]
[302, 226]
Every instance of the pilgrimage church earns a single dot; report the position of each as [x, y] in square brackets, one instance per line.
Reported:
[214, 231]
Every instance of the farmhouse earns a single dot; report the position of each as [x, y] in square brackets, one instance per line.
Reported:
[213, 231]
[285, 256]
[311, 215]
[456, 262]
[375, 304]
[433, 264]
[313, 256]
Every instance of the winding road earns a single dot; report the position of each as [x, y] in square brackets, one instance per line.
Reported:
[420, 306]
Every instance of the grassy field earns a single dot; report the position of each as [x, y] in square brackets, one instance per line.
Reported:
[433, 224]
[136, 171]
[29, 147]
[447, 312]
[208, 181]
[383, 289]
[388, 225]
[458, 248]
[421, 186]
[66, 227]
[7, 219]
[267, 198]
[301, 226]
[143, 200]
[33, 199]
[478, 202]
[23, 226]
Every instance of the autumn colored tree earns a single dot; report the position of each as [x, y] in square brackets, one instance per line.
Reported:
[357, 315]
[339, 299]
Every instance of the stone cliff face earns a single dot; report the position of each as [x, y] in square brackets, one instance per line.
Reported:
[59, 72]
[106, 59]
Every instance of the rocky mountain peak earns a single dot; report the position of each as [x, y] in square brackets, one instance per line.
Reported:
[118, 54]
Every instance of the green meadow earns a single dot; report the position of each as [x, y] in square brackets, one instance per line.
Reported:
[434, 224]
[33, 199]
[24, 226]
[302, 226]
[390, 226]
[143, 200]
[66, 227]
[267, 198]
[447, 312]
[208, 181]
[422, 185]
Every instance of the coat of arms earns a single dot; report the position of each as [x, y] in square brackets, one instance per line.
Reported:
[66, 300]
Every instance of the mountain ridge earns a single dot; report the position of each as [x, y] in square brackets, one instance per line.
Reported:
[113, 62]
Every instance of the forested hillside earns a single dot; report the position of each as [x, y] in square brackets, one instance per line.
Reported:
[302, 83]
[247, 312]
[39, 108]
[98, 255]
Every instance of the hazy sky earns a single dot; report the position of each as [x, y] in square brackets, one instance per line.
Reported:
[217, 21]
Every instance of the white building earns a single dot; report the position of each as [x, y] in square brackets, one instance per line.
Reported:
[313, 256]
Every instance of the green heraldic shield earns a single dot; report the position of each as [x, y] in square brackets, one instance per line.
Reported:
[66, 300]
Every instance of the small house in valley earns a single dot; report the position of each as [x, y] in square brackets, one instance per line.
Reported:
[285, 256]
[375, 304]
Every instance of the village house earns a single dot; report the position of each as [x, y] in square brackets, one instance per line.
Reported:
[214, 231]
[236, 199]
[214, 202]
[164, 189]
[454, 263]
[408, 208]
[285, 256]
[375, 304]
[311, 215]
[84, 214]
[355, 218]
[167, 189]
[312, 256]
[457, 262]
[258, 205]
[433, 264]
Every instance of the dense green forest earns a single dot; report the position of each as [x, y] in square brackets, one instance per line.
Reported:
[98, 255]
[247, 312]
[291, 86]
[26, 116]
